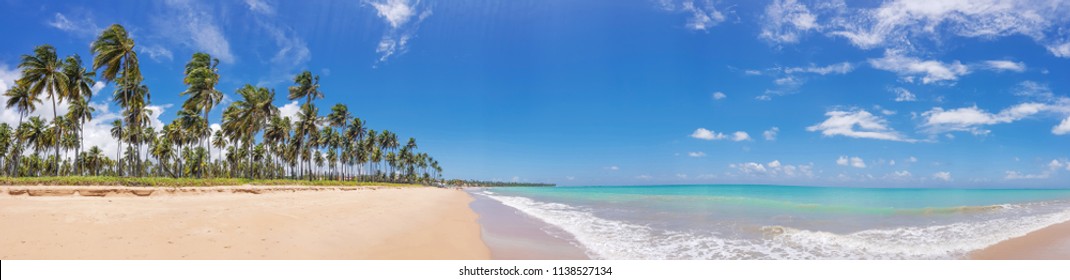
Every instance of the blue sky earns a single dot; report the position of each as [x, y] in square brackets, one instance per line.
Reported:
[867, 93]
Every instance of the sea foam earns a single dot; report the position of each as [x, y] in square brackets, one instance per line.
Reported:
[612, 239]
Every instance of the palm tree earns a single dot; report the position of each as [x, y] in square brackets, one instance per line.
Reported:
[94, 160]
[114, 51]
[43, 71]
[306, 86]
[163, 151]
[137, 115]
[219, 142]
[117, 133]
[251, 114]
[24, 102]
[202, 75]
[34, 132]
[339, 117]
[6, 136]
[80, 92]
[192, 125]
[277, 132]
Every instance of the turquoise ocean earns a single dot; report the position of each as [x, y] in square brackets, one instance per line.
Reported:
[784, 222]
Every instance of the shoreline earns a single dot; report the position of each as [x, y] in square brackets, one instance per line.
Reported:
[240, 222]
[1049, 243]
[513, 235]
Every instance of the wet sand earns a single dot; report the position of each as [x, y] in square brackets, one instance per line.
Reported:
[1050, 243]
[512, 235]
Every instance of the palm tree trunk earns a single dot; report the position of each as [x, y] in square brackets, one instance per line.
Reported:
[118, 155]
[59, 132]
[81, 146]
[15, 168]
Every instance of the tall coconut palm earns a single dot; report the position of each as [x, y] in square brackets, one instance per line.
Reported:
[43, 72]
[339, 118]
[137, 115]
[276, 133]
[219, 142]
[6, 140]
[306, 86]
[94, 160]
[202, 75]
[34, 132]
[20, 98]
[307, 132]
[253, 111]
[117, 133]
[114, 51]
[80, 92]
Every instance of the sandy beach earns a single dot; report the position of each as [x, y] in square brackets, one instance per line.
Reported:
[237, 223]
[1050, 243]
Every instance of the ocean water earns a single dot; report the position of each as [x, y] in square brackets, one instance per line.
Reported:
[785, 222]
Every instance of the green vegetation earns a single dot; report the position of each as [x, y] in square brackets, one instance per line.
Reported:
[475, 183]
[254, 142]
[179, 182]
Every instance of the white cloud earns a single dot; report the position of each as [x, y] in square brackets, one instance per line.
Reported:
[696, 154]
[774, 164]
[902, 174]
[787, 81]
[293, 52]
[903, 95]
[403, 18]
[974, 119]
[82, 26]
[857, 124]
[1034, 90]
[644, 177]
[773, 169]
[842, 160]
[912, 159]
[909, 68]
[752, 72]
[1063, 128]
[770, 135]
[1060, 49]
[702, 18]
[289, 110]
[156, 52]
[838, 68]
[1056, 164]
[155, 111]
[259, 6]
[1015, 175]
[1005, 65]
[855, 162]
[192, 24]
[613, 168]
[97, 86]
[786, 20]
[719, 95]
[681, 175]
[903, 23]
[705, 134]
[943, 175]
[1053, 166]
[740, 136]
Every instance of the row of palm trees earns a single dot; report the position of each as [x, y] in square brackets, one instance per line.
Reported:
[252, 141]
